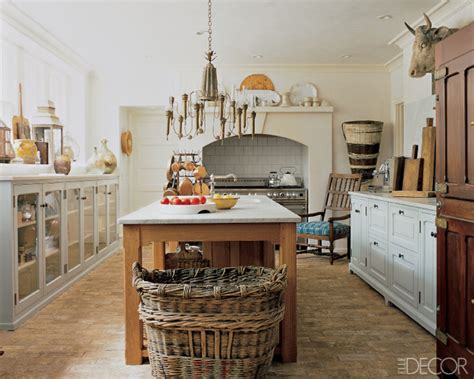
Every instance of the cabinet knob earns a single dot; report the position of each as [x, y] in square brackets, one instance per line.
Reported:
[434, 234]
[376, 243]
[357, 211]
[401, 256]
[400, 212]
[376, 206]
[84, 198]
[109, 193]
[472, 301]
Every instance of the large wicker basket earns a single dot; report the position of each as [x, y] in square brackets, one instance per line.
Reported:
[211, 322]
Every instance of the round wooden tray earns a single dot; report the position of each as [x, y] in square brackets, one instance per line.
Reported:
[257, 81]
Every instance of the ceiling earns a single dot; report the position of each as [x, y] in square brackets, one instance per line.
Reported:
[282, 31]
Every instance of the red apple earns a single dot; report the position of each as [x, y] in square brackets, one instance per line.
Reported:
[165, 201]
[186, 201]
[203, 199]
[176, 201]
[195, 201]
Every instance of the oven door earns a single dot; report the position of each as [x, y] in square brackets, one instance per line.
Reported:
[297, 208]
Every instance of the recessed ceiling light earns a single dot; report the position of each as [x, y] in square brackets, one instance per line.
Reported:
[346, 56]
[257, 56]
[385, 17]
[201, 32]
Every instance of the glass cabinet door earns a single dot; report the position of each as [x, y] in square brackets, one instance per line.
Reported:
[112, 196]
[102, 216]
[27, 206]
[73, 228]
[52, 235]
[88, 209]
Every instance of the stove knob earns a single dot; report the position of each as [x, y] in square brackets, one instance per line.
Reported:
[294, 195]
[288, 195]
[275, 194]
[282, 194]
[269, 194]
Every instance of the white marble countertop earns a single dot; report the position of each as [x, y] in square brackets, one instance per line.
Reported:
[249, 209]
[428, 203]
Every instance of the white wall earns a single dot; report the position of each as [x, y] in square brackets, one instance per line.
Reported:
[355, 92]
[43, 75]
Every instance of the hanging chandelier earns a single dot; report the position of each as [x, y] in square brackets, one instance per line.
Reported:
[229, 115]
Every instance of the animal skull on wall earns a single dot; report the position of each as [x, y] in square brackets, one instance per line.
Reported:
[423, 59]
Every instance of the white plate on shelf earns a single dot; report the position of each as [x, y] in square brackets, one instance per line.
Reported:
[299, 91]
[272, 98]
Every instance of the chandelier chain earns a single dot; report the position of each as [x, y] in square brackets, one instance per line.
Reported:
[209, 23]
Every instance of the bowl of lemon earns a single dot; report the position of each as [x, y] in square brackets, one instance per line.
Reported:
[224, 201]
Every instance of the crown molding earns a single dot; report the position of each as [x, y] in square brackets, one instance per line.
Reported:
[20, 21]
[438, 14]
[395, 62]
[324, 68]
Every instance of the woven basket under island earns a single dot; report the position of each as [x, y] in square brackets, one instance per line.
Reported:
[211, 322]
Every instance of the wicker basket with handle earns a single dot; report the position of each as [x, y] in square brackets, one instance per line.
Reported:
[211, 322]
[187, 257]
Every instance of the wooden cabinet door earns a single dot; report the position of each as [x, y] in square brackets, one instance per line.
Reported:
[456, 297]
[455, 114]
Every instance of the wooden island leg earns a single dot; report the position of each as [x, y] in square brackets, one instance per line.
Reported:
[133, 326]
[288, 337]
[159, 250]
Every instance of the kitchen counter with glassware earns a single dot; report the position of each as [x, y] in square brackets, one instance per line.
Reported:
[254, 218]
[55, 229]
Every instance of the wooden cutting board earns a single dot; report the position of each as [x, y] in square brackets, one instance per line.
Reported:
[428, 143]
[413, 172]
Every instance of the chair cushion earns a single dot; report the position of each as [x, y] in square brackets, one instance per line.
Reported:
[321, 228]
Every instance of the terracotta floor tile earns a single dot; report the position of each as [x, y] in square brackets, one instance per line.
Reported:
[345, 330]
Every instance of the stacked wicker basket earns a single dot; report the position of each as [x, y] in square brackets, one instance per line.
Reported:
[211, 322]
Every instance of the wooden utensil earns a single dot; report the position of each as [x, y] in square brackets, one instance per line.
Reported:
[126, 142]
[413, 171]
[428, 143]
[185, 188]
[201, 188]
[21, 125]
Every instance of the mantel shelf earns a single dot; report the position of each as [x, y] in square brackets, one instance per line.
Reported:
[294, 109]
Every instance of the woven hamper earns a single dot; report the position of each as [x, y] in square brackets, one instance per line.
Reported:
[211, 322]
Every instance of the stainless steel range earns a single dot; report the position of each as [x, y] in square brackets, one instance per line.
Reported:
[294, 198]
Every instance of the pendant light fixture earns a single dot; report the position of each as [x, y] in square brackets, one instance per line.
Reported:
[229, 116]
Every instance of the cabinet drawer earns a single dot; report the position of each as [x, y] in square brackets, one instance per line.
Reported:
[404, 274]
[378, 218]
[378, 260]
[404, 226]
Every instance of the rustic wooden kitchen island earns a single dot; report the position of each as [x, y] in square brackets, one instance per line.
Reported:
[254, 218]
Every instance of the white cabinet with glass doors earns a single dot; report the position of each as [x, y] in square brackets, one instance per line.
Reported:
[55, 233]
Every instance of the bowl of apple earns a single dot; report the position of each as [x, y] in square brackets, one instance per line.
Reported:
[186, 205]
[224, 201]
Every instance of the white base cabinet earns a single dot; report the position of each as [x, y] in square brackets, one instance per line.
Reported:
[393, 249]
[54, 229]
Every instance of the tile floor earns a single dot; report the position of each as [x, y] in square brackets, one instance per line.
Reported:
[344, 331]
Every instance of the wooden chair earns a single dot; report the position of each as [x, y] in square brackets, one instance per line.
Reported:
[337, 199]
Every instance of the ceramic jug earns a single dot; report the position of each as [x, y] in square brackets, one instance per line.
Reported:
[107, 160]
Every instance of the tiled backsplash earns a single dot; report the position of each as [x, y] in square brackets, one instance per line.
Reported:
[247, 157]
